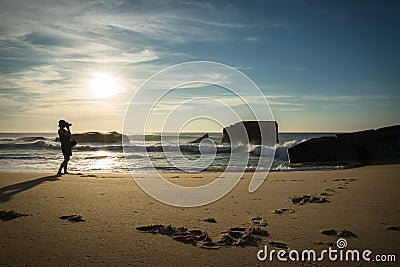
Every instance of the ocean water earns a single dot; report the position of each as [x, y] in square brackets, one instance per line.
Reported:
[41, 153]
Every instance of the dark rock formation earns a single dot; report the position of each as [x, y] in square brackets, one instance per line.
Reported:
[198, 140]
[96, 137]
[365, 147]
[253, 129]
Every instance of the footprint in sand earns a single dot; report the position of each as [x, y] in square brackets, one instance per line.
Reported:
[393, 228]
[235, 236]
[88, 175]
[259, 220]
[10, 215]
[347, 234]
[180, 234]
[210, 220]
[348, 180]
[278, 244]
[344, 179]
[343, 182]
[240, 236]
[72, 218]
[325, 194]
[153, 229]
[242, 241]
[283, 211]
[339, 233]
[305, 199]
[329, 232]
[258, 231]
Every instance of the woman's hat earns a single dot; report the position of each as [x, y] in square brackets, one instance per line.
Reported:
[63, 123]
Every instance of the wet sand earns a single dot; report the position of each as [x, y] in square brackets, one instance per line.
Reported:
[106, 219]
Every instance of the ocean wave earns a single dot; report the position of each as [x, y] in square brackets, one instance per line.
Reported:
[32, 138]
[280, 149]
[315, 166]
[189, 148]
[39, 145]
[291, 143]
[29, 146]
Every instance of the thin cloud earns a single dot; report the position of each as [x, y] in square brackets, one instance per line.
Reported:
[296, 68]
[244, 68]
[285, 103]
[344, 98]
[288, 109]
[295, 98]
[252, 39]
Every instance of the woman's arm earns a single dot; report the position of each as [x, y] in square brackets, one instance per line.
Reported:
[64, 132]
[68, 131]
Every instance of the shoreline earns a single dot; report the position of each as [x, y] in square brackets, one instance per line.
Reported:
[310, 167]
[363, 201]
[110, 157]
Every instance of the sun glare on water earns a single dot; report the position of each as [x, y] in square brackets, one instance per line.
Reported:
[104, 85]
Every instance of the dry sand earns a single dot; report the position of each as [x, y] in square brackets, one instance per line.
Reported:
[363, 201]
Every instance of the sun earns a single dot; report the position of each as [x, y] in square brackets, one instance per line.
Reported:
[104, 85]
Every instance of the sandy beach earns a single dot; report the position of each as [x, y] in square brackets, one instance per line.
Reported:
[207, 94]
[360, 204]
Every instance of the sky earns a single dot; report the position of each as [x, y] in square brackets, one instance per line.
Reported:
[323, 66]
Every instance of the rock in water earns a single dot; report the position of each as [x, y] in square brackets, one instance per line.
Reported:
[97, 137]
[198, 140]
[269, 130]
[364, 147]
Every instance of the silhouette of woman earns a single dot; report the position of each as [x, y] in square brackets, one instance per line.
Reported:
[65, 139]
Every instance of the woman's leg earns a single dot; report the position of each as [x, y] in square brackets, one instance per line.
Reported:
[63, 165]
[66, 159]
